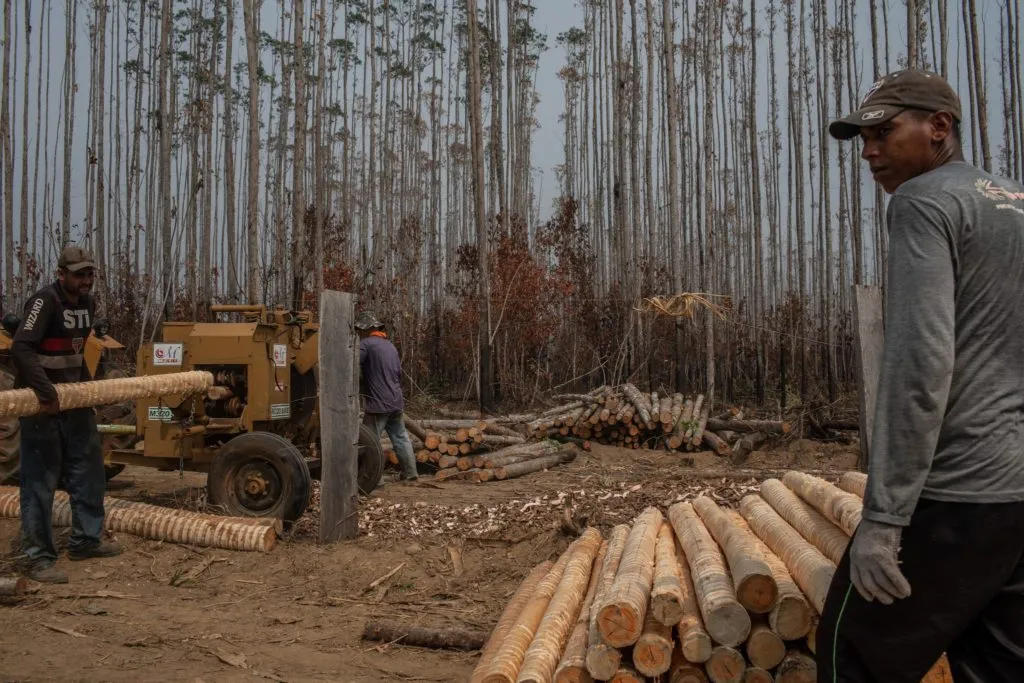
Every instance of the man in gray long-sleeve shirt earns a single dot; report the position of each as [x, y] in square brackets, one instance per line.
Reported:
[937, 563]
[381, 387]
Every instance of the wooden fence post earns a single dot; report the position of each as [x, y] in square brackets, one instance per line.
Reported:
[868, 326]
[339, 417]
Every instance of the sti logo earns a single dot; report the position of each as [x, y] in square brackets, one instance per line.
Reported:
[167, 354]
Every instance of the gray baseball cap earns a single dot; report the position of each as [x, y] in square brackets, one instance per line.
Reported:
[895, 92]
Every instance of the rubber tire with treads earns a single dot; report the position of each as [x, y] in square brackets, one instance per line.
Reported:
[273, 454]
[370, 456]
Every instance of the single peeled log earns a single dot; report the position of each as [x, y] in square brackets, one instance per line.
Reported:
[542, 657]
[620, 618]
[509, 616]
[683, 671]
[573, 666]
[791, 616]
[812, 525]
[854, 482]
[755, 674]
[841, 508]
[603, 659]
[163, 524]
[24, 403]
[504, 667]
[726, 665]
[725, 619]
[667, 593]
[812, 571]
[652, 653]
[752, 578]
[765, 649]
[797, 668]
[694, 641]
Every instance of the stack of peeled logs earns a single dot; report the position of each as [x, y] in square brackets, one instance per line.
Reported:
[704, 593]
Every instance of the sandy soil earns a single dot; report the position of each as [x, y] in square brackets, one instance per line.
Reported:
[297, 613]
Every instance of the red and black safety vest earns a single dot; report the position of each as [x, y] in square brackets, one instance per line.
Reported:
[49, 346]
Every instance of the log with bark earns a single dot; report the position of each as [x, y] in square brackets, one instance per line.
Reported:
[854, 482]
[421, 636]
[620, 616]
[812, 525]
[603, 659]
[572, 668]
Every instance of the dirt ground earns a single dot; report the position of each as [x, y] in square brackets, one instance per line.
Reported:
[297, 613]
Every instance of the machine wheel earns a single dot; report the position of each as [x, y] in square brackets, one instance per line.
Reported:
[370, 460]
[260, 474]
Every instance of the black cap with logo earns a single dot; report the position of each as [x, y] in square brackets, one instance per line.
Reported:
[895, 92]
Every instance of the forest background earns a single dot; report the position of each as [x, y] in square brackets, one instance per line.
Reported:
[506, 196]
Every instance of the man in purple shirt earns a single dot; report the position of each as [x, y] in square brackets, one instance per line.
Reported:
[381, 389]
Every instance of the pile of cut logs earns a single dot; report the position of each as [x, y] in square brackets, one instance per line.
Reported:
[701, 594]
[480, 450]
[625, 416]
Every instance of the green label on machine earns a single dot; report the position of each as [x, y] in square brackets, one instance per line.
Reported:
[280, 411]
[160, 413]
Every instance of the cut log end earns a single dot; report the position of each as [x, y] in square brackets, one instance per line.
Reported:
[791, 618]
[755, 674]
[797, 668]
[757, 592]
[619, 624]
[726, 665]
[765, 649]
[728, 623]
[603, 660]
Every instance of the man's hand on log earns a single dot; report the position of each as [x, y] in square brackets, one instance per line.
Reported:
[874, 564]
[50, 407]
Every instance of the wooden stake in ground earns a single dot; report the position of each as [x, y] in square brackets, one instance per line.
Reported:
[826, 536]
[508, 617]
[791, 616]
[725, 618]
[542, 657]
[841, 508]
[812, 571]
[667, 592]
[339, 418]
[603, 659]
[620, 617]
[573, 666]
[504, 667]
[752, 578]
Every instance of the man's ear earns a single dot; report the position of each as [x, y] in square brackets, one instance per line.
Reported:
[942, 126]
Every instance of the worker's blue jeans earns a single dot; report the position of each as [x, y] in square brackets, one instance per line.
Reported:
[60, 449]
[395, 427]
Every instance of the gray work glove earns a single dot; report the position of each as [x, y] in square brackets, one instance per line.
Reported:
[874, 567]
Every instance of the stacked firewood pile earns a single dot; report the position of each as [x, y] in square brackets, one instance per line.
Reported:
[627, 417]
[702, 593]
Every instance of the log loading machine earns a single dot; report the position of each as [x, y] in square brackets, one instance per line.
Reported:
[256, 432]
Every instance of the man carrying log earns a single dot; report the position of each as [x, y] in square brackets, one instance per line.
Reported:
[937, 563]
[59, 446]
[381, 387]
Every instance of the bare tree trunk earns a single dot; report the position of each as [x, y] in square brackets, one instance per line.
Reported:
[482, 243]
[299, 160]
[250, 9]
[975, 57]
[165, 126]
[912, 35]
[233, 286]
[100, 225]
[69, 116]
[6, 161]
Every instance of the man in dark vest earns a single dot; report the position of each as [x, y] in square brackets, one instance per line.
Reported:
[380, 371]
[48, 349]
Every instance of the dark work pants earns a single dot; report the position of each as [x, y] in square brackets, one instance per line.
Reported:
[965, 565]
[51, 446]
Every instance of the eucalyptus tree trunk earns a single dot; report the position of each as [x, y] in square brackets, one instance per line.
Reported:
[250, 8]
